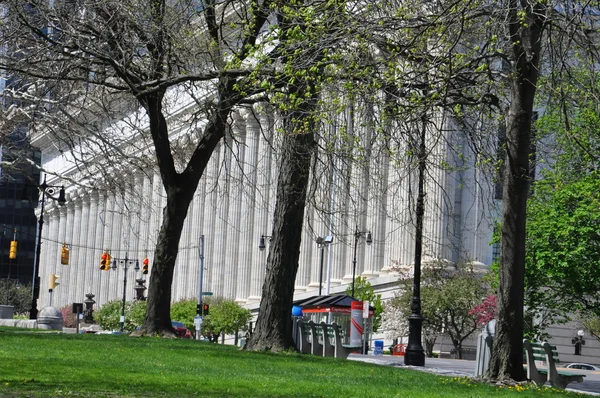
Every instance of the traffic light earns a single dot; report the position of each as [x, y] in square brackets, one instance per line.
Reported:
[64, 255]
[105, 261]
[205, 309]
[53, 281]
[145, 266]
[12, 254]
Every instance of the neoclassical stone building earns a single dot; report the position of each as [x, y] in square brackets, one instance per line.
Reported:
[233, 208]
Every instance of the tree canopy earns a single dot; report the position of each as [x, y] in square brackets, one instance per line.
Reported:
[448, 294]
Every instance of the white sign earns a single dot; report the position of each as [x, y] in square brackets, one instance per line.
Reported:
[365, 309]
[198, 322]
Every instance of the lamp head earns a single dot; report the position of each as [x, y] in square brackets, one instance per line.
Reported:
[328, 239]
[61, 196]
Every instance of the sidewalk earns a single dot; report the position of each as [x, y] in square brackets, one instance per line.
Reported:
[464, 368]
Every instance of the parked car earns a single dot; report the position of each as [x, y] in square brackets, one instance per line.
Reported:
[582, 366]
[181, 330]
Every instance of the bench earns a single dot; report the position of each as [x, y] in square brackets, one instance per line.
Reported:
[304, 333]
[316, 348]
[328, 335]
[317, 340]
[342, 350]
[547, 353]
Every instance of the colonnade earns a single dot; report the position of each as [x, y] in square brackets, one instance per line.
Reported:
[233, 206]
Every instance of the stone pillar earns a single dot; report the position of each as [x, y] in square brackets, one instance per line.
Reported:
[236, 216]
[248, 245]
[266, 163]
[91, 254]
[100, 278]
[77, 261]
[61, 294]
[108, 281]
[211, 175]
[221, 227]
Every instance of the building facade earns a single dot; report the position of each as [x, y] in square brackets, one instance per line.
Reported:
[233, 207]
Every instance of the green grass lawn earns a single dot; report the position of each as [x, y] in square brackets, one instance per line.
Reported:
[34, 364]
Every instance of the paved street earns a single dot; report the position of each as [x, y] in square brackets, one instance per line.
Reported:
[458, 367]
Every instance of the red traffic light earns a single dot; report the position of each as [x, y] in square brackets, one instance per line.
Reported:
[205, 309]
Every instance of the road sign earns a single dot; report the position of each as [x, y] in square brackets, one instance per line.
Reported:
[207, 293]
[198, 322]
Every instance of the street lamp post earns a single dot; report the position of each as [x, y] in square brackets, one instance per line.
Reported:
[322, 242]
[126, 262]
[49, 191]
[414, 354]
[357, 235]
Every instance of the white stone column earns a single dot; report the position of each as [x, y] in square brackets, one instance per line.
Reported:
[61, 294]
[118, 247]
[77, 263]
[198, 228]
[248, 241]
[106, 277]
[90, 245]
[307, 277]
[212, 198]
[237, 217]
[50, 230]
[265, 184]
[377, 260]
[222, 221]
[144, 211]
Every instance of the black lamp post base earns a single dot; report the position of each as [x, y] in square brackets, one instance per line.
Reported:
[414, 354]
[414, 357]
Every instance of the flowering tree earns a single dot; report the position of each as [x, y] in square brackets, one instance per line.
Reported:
[486, 311]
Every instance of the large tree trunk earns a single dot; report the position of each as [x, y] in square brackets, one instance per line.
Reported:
[274, 324]
[180, 188]
[158, 319]
[507, 354]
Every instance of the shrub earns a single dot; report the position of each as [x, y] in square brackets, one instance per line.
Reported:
[225, 317]
[16, 294]
[185, 311]
[109, 315]
[68, 316]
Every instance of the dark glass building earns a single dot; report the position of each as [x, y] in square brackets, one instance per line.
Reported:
[18, 200]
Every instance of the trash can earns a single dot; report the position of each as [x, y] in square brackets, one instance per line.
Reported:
[399, 349]
[6, 311]
[50, 319]
[378, 348]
